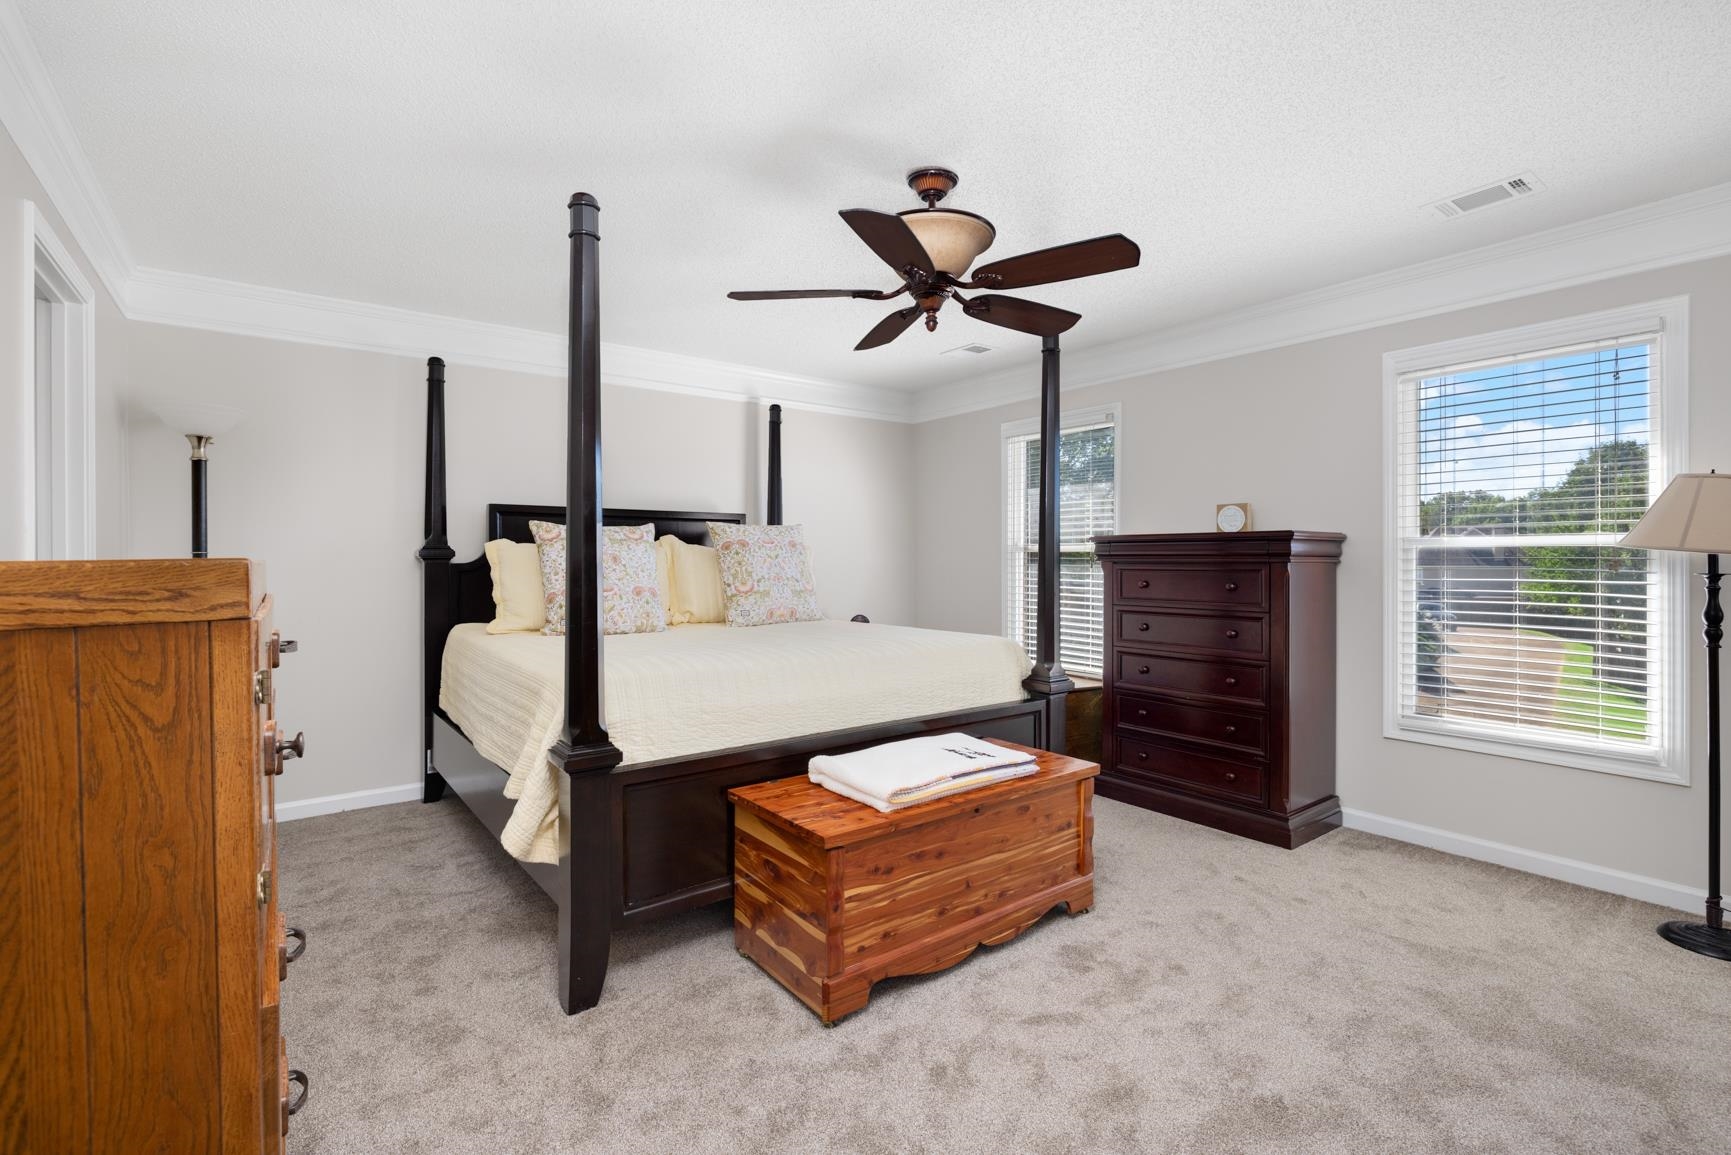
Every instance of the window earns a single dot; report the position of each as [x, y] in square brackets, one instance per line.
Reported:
[1087, 505]
[1515, 624]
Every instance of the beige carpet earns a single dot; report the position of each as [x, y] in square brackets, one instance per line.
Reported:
[1355, 995]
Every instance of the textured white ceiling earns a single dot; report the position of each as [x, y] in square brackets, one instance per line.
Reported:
[420, 154]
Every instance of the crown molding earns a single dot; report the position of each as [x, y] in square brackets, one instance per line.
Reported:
[191, 301]
[1690, 227]
[36, 120]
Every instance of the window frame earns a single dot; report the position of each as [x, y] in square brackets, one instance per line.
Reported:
[1112, 412]
[1668, 455]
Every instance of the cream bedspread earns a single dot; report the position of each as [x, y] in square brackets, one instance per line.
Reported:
[696, 688]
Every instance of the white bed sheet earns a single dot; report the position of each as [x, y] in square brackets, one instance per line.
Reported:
[692, 689]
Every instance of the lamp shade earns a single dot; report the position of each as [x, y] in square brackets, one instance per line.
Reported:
[194, 417]
[1693, 515]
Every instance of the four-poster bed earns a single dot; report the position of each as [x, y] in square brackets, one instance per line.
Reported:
[646, 839]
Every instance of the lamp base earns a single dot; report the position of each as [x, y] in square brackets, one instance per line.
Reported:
[1712, 941]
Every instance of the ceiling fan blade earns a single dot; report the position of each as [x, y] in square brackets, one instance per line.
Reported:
[1023, 316]
[791, 294]
[889, 328]
[891, 239]
[1061, 263]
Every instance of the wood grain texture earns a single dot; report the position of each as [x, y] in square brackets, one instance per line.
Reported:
[1219, 703]
[48, 594]
[832, 896]
[245, 946]
[814, 814]
[145, 747]
[136, 1013]
[44, 1064]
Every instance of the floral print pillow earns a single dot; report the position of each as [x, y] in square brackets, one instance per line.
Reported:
[765, 574]
[630, 597]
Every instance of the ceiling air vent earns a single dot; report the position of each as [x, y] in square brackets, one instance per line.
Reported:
[975, 348]
[1512, 189]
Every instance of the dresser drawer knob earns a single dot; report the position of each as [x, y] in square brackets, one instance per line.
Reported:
[1143, 627]
[1231, 777]
[1141, 713]
[1232, 633]
[298, 1097]
[1141, 756]
[1231, 587]
[1143, 584]
[1230, 730]
[295, 747]
[1141, 669]
[1231, 681]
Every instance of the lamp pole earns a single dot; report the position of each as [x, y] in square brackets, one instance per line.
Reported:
[201, 444]
[1711, 939]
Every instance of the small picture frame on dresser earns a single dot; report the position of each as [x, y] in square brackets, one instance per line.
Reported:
[1233, 517]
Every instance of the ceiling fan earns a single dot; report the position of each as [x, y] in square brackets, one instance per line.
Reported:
[931, 249]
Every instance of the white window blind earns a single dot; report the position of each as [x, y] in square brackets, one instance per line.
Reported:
[1516, 619]
[1087, 505]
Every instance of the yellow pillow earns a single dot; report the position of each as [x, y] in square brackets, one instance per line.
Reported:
[697, 594]
[519, 602]
[664, 573]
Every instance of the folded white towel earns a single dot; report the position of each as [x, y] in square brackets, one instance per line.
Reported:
[941, 790]
[897, 773]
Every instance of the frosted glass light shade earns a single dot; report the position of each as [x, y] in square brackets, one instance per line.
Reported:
[1693, 515]
[192, 417]
[952, 239]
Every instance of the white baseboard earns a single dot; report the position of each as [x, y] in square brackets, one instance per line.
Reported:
[355, 800]
[1653, 890]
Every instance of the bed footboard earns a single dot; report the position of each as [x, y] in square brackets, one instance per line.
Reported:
[654, 839]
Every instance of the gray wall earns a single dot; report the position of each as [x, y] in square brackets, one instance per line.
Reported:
[321, 480]
[1298, 433]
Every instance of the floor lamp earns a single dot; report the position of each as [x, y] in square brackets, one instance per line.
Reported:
[199, 424]
[1693, 515]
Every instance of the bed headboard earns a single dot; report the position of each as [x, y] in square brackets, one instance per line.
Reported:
[471, 582]
[512, 521]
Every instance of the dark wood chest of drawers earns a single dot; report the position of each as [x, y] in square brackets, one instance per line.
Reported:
[1219, 668]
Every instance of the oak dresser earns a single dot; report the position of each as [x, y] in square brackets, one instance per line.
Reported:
[143, 951]
[1219, 670]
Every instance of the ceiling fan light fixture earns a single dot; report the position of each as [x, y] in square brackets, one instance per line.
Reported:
[953, 239]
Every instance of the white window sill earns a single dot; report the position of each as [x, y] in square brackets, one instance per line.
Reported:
[1586, 755]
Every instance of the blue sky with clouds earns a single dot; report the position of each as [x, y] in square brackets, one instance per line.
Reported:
[1512, 428]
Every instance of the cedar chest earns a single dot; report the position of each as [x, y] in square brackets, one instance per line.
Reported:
[831, 895]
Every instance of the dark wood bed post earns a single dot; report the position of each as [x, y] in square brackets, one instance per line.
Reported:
[774, 509]
[436, 555]
[584, 754]
[1047, 679]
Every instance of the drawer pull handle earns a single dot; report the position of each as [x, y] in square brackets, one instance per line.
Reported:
[1141, 669]
[1231, 681]
[1141, 713]
[295, 1102]
[1143, 627]
[298, 937]
[1231, 777]
[1143, 584]
[1141, 756]
[1231, 587]
[1231, 730]
[1232, 633]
